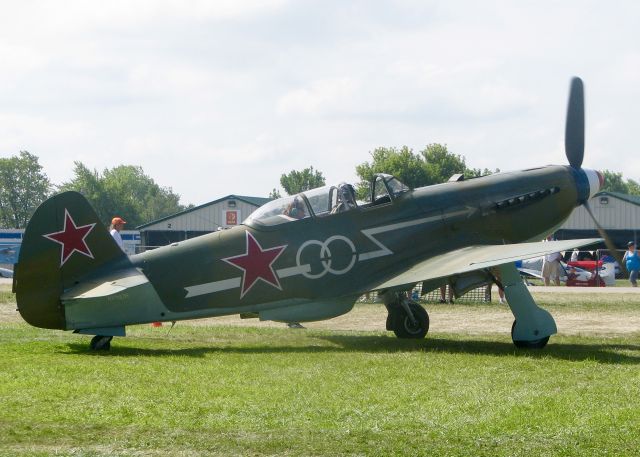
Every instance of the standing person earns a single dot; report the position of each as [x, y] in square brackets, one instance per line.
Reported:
[117, 224]
[551, 267]
[632, 262]
[574, 255]
[443, 294]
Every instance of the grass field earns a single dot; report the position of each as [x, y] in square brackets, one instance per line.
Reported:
[226, 389]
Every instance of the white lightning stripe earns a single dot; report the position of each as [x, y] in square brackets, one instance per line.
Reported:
[293, 271]
[211, 287]
[369, 233]
[226, 284]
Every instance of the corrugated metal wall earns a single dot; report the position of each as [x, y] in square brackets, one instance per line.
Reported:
[617, 214]
[206, 219]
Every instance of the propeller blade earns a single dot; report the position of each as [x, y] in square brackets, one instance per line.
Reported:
[607, 240]
[574, 130]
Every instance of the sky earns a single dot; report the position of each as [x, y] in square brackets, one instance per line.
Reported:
[213, 98]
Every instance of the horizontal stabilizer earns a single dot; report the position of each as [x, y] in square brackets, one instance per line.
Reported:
[109, 284]
[113, 299]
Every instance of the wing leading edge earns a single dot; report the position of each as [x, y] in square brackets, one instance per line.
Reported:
[473, 258]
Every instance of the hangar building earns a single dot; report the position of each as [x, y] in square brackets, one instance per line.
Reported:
[223, 213]
[618, 214]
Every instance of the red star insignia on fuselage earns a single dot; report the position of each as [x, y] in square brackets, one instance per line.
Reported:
[72, 238]
[256, 263]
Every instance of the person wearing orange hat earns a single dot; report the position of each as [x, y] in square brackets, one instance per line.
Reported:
[117, 224]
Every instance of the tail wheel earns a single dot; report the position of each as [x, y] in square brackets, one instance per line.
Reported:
[534, 344]
[100, 343]
[405, 327]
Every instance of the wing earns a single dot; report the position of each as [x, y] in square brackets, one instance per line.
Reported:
[472, 258]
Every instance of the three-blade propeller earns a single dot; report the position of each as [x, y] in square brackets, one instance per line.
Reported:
[574, 149]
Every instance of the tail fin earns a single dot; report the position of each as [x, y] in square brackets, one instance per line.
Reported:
[63, 242]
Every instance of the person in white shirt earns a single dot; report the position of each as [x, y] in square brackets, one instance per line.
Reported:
[551, 267]
[574, 255]
[117, 224]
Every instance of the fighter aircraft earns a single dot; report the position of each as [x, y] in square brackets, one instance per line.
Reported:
[310, 256]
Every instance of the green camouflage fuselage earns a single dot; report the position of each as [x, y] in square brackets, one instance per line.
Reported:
[307, 269]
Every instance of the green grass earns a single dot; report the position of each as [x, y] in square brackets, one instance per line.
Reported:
[274, 391]
[5, 295]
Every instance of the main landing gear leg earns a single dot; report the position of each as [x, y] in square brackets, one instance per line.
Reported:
[406, 318]
[533, 325]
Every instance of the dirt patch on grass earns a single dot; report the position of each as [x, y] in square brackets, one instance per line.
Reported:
[8, 313]
[571, 317]
[8, 306]
[482, 319]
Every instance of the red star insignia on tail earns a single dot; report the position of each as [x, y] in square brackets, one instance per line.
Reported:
[72, 238]
[256, 263]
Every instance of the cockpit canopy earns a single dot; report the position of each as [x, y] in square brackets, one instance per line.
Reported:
[385, 188]
[280, 211]
[324, 201]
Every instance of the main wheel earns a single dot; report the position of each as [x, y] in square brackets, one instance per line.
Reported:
[534, 344]
[100, 343]
[402, 325]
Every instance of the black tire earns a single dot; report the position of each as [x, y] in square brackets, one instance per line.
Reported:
[389, 322]
[402, 325]
[100, 343]
[534, 344]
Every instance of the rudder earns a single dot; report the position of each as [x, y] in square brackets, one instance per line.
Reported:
[64, 241]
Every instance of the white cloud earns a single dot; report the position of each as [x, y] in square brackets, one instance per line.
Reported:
[320, 98]
[213, 98]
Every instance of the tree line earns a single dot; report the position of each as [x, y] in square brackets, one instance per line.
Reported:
[127, 191]
[432, 165]
[124, 190]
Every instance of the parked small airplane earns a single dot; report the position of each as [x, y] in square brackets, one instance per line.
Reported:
[9, 253]
[310, 256]
[571, 275]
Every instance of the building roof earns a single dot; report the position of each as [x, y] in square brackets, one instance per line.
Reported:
[255, 201]
[633, 199]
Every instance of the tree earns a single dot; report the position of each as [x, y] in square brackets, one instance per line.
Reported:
[633, 187]
[90, 184]
[442, 164]
[477, 172]
[275, 194]
[23, 186]
[403, 164]
[433, 165]
[138, 193]
[295, 182]
[125, 191]
[613, 182]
